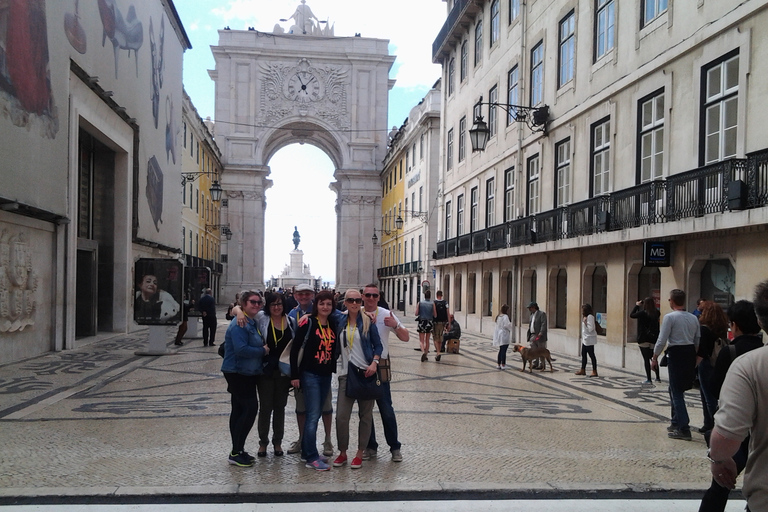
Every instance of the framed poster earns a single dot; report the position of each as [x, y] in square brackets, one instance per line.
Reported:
[158, 292]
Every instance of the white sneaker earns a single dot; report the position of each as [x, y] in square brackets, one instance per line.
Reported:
[503, 367]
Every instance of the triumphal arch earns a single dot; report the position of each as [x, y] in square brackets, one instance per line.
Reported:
[301, 83]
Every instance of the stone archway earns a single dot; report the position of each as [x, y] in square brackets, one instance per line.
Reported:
[276, 89]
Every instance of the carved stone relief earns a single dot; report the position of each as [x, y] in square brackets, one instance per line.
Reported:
[304, 89]
[18, 283]
[359, 199]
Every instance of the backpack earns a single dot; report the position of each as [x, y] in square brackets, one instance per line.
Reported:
[719, 344]
[442, 311]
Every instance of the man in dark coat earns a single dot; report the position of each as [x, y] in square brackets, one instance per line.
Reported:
[207, 307]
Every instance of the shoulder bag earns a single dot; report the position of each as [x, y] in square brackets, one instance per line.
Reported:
[284, 363]
[385, 370]
[361, 387]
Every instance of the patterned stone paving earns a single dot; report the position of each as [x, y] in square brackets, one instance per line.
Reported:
[100, 420]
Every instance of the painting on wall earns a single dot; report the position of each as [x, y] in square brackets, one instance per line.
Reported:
[155, 191]
[157, 66]
[124, 32]
[26, 97]
[74, 31]
[158, 292]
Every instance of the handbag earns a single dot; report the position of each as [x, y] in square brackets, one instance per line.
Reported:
[284, 363]
[360, 387]
[385, 370]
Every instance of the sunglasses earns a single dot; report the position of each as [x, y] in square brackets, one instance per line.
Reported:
[256, 302]
[372, 295]
[353, 301]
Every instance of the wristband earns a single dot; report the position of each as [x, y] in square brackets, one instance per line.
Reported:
[399, 325]
[376, 361]
[713, 461]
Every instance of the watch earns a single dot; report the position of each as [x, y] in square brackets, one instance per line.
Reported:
[713, 461]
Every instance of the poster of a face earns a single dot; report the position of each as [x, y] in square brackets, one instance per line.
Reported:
[158, 292]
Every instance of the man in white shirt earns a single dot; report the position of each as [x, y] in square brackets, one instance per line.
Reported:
[386, 322]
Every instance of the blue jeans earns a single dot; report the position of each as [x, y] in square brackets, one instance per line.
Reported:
[708, 400]
[682, 368]
[315, 388]
[388, 420]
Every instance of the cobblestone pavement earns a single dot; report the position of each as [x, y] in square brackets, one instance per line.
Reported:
[99, 420]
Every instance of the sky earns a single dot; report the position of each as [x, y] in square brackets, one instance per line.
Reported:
[300, 172]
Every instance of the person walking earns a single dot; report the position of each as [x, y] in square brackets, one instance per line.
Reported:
[588, 340]
[360, 353]
[680, 333]
[244, 351]
[441, 318]
[278, 329]
[537, 332]
[502, 335]
[426, 313]
[647, 317]
[714, 335]
[207, 307]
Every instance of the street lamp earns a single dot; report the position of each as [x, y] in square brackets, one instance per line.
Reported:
[536, 118]
[224, 229]
[215, 190]
[398, 226]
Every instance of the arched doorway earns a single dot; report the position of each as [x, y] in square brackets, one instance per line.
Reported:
[333, 96]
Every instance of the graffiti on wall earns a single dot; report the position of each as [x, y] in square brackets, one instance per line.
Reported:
[18, 283]
[74, 31]
[124, 32]
[25, 81]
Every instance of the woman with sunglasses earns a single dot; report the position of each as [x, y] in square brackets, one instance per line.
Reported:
[278, 329]
[317, 336]
[244, 350]
[361, 350]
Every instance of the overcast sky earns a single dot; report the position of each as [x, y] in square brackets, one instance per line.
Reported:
[301, 174]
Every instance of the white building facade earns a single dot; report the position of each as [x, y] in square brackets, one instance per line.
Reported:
[651, 149]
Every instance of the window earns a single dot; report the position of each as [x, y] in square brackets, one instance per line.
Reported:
[513, 89]
[494, 22]
[471, 293]
[407, 162]
[460, 215]
[457, 284]
[447, 220]
[537, 73]
[413, 201]
[601, 157]
[561, 301]
[509, 194]
[567, 49]
[490, 203]
[185, 134]
[605, 19]
[651, 135]
[451, 73]
[493, 97]
[720, 83]
[478, 42]
[449, 151]
[600, 292]
[534, 196]
[474, 196]
[406, 206]
[421, 147]
[462, 137]
[563, 173]
[413, 153]
[418, 256]
[652, 9]
[412, 258]
[463, 61]
[421, 194]
[514, 10]
[405, 253]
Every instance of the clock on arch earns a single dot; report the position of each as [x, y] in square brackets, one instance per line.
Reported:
[304, 87]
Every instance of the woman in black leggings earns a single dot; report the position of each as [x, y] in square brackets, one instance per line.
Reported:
[647, 332]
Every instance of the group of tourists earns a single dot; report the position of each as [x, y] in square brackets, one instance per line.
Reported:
[269, 352]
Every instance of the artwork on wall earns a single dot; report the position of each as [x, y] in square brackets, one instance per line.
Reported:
[74, 31]
[157, 66]
[155, 191]
[18, 283]
[25, 82]
[171, 130]
[158, 292]
[125, 33]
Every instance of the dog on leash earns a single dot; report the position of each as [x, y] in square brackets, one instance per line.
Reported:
[530, 355]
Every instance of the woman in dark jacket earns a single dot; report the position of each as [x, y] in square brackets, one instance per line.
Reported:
[244, 350]
[277, 329]
[714, 331]
[647, 332]
[313, 374]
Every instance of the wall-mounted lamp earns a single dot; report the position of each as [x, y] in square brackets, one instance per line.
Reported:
[398, 226]
[215, 190]
[536, 118]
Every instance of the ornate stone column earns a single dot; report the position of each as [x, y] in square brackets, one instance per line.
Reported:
[358, 210]
[244, 187]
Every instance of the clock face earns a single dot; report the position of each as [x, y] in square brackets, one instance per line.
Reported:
[304, 87]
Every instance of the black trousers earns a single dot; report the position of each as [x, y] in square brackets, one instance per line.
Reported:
[245, 407]
[209, 330]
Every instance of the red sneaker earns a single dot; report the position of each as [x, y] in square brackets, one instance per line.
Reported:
[357, 463]
[340, 461]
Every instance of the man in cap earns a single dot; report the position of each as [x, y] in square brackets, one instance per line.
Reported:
[537, 330]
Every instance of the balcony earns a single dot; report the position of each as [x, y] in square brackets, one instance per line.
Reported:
[731, 185]
[403, 269]
[461, 16]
